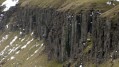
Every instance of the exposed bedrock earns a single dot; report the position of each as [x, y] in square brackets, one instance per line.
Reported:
[68, 37]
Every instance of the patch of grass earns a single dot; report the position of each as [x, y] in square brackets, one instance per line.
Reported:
[89, 47]
[1, 1]
[89, 44]
[107, 63]
[111, 13]
[90, 64]
[68, 5]
[38, 59]
[7, 42]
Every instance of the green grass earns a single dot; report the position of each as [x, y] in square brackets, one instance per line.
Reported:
[107, 63]
[38, 59]
[89, 47]
[68, 5]
[112, 12]
[74, 6]
[1, 1]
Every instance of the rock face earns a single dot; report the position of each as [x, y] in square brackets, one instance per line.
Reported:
[68, 37]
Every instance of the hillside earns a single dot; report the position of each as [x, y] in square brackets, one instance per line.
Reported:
[69, 5]
[60, 33]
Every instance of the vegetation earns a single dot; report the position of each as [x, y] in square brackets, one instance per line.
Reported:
[68, 5]
[40, 59]
[20, 60]
[1, 1]
[112, 12]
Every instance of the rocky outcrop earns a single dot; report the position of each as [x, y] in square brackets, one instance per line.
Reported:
[68, 37]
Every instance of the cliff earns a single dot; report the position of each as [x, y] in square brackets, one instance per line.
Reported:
[75, 33]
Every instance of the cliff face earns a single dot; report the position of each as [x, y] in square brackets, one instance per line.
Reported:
[85, 38]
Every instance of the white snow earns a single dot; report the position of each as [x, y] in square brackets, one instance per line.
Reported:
[22, 39]
[117, 0]
[12, 57]
[35, 51]
[36, 45]
[24, 46]
[20, 33]
[17, 52]
[2, 52]
[2, 60]
[92, 14]
[4, 38]
[7, 26]
[80, 66]
[9, 3]
[32, 33]
[27, 44]
[109, 3]
[13, 40]
[13, 49]
[28, 58]
[42, 45]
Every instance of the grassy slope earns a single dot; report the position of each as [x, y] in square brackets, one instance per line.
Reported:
[112, 12]
[68, 5]
[74, 5]
[1, 1]
[38, 59]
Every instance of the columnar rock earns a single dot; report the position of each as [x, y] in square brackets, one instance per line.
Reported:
[68, 36]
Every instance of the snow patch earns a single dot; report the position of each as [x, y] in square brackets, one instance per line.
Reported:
[27, 44]
[92, 14]
[81, 65]
[109, 3]
[4, 38]
[12, 58]
[21, 33]
[13, 40]
[22, 39]
[35, 51]
[9, 3]
[32, 33]
[7, 26]
[42, 45]
[117, 0]
[17, 52]
[2, 52]
[13, 49]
